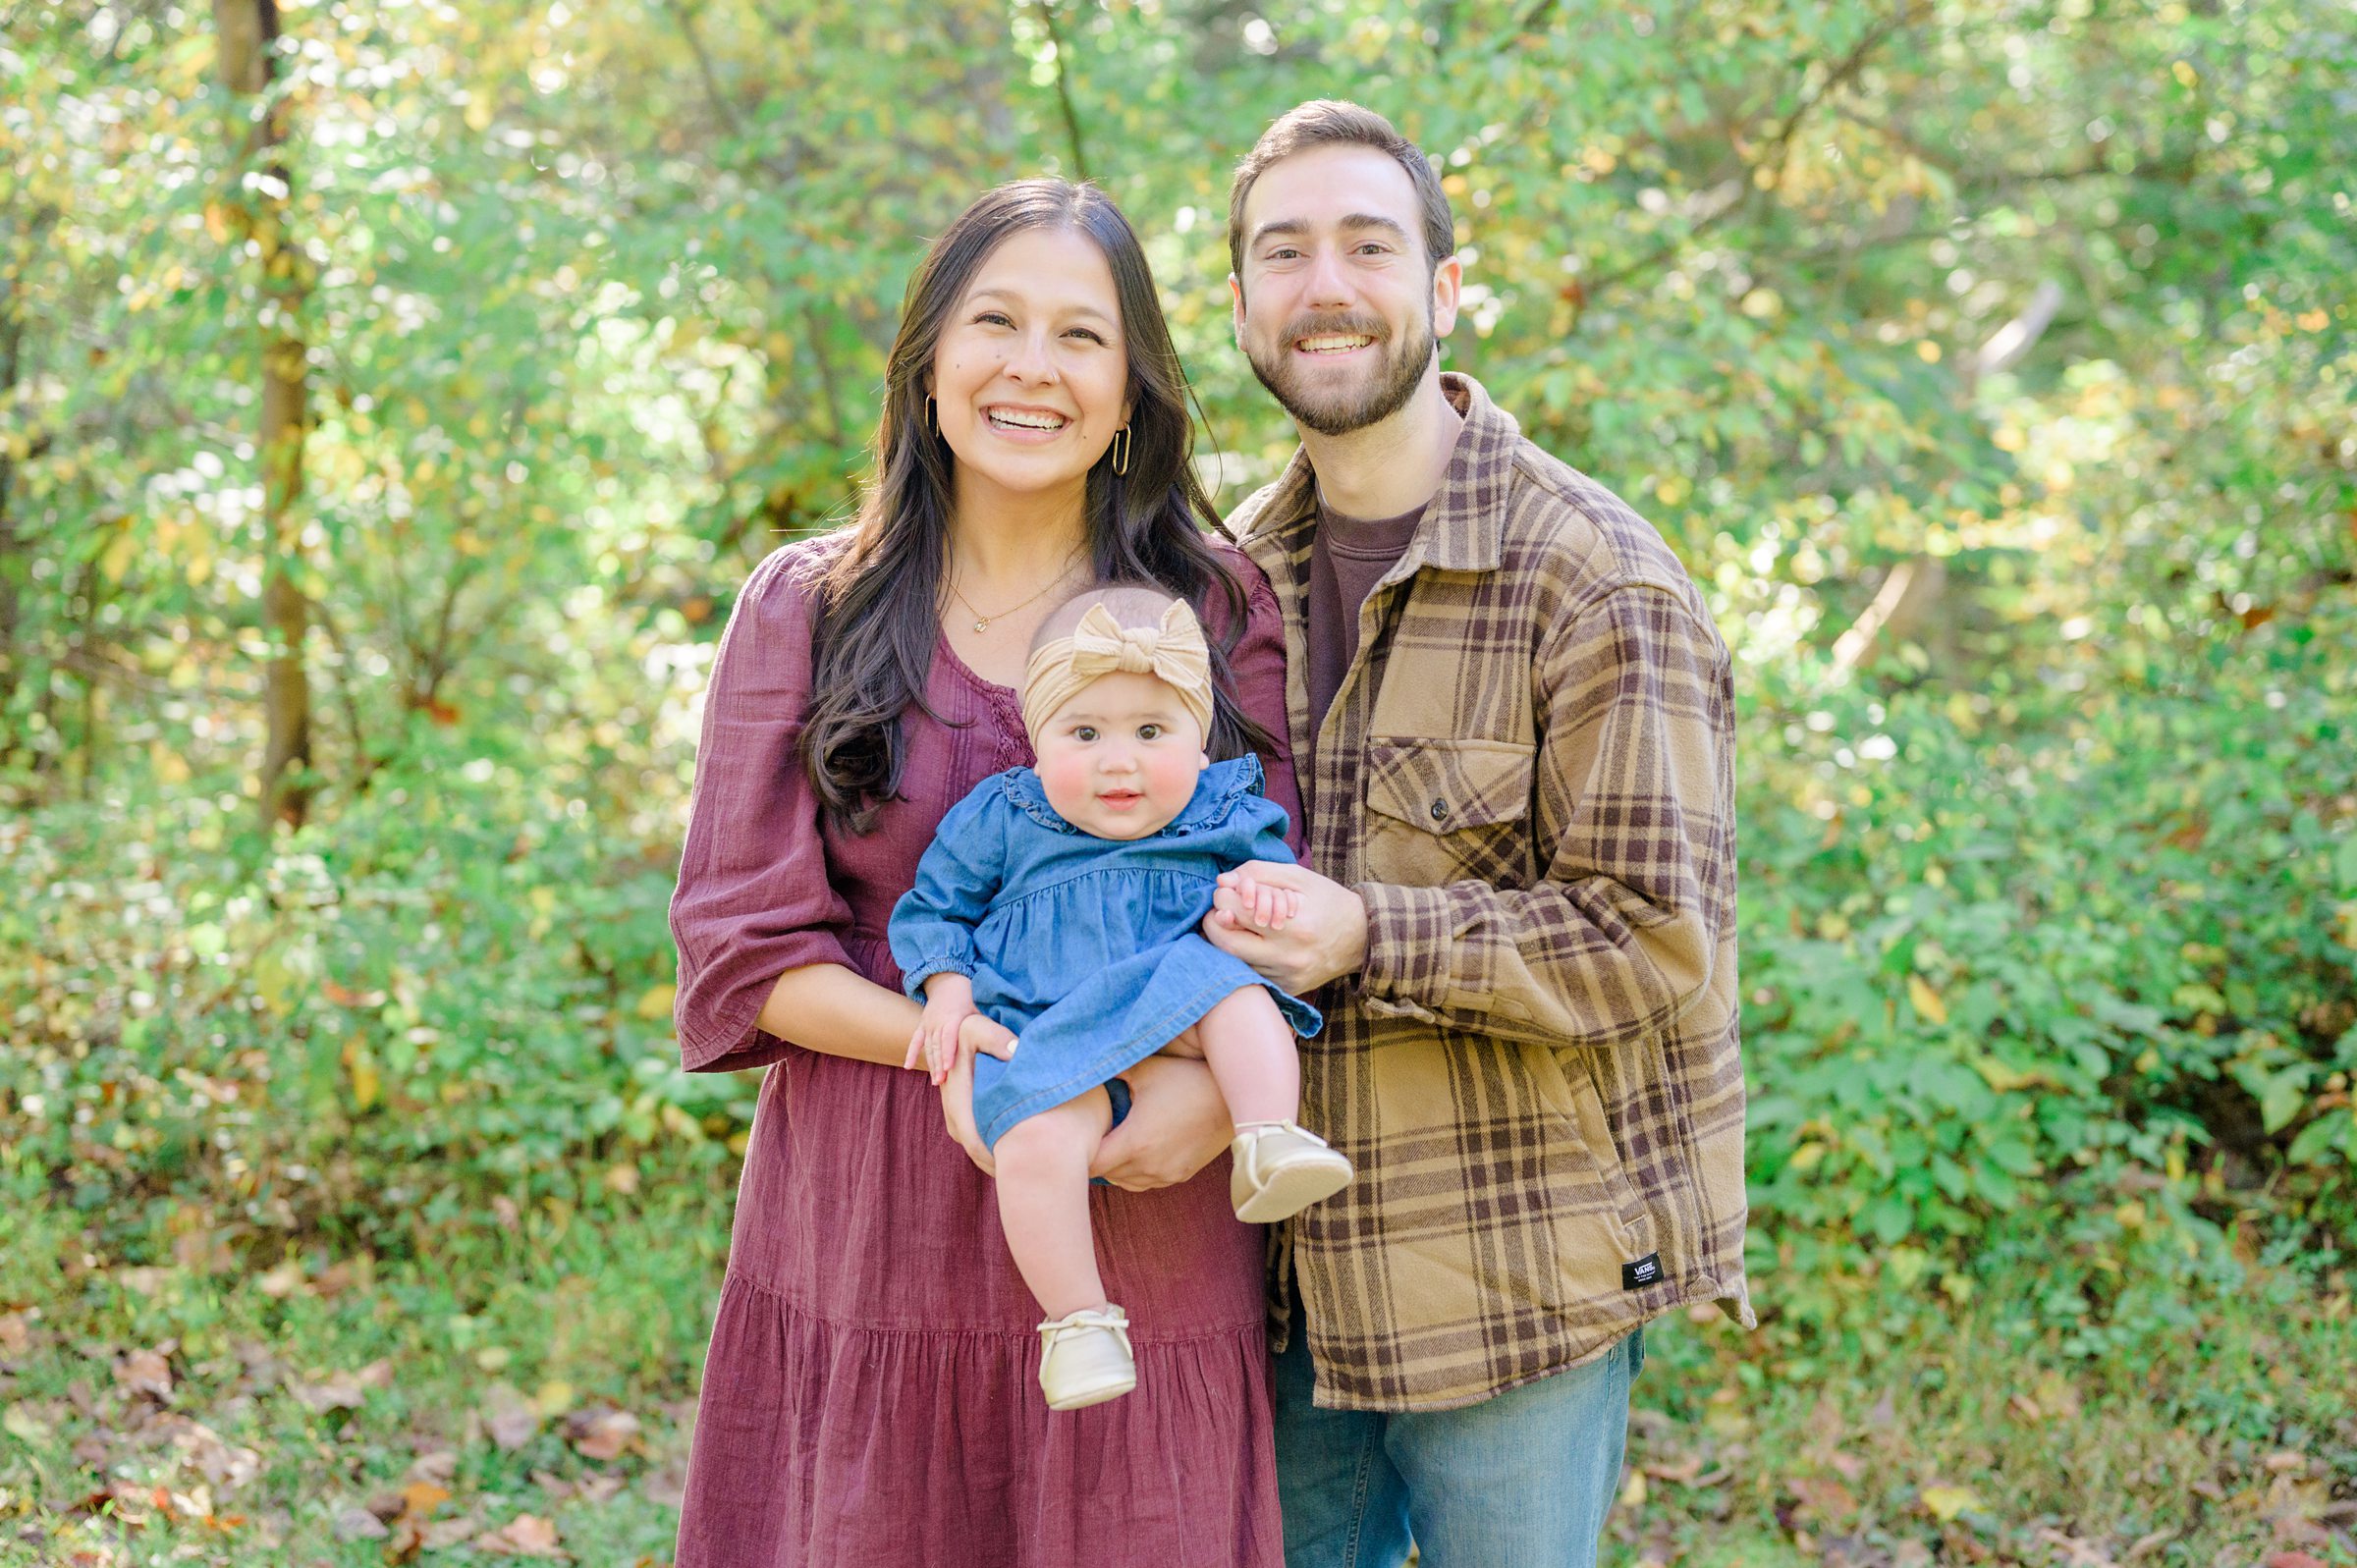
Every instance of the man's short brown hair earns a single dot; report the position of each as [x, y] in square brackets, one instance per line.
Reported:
[1330, 122]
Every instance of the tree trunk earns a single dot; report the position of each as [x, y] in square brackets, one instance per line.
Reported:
[247, 29]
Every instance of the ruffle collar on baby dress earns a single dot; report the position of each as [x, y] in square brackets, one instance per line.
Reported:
[1217, 791]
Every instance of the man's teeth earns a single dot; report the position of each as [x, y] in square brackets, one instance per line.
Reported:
[1332, 345]
[1026, 422]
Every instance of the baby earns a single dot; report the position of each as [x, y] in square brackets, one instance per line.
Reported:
[1053, 929]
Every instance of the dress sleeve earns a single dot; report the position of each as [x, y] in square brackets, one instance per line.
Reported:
[754, 897]
[1257, 666]
[932, 929]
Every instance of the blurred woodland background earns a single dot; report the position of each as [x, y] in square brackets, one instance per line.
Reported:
[393, 396]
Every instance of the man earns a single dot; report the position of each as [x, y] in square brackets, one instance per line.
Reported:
[1512, 722]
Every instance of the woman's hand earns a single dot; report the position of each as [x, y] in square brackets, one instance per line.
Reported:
[958, 1112]
[1177, 1124]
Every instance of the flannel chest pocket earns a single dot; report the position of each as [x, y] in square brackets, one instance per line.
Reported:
[1443, 811]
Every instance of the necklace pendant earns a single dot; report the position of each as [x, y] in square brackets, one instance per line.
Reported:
[981, 626]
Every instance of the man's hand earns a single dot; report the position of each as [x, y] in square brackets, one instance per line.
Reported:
[1177, 1124]
[1325, 937]
[958, 1113]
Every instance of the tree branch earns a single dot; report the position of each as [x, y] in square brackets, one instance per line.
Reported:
[1063, 92]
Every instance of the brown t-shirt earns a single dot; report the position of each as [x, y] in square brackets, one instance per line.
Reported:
[1347, 557]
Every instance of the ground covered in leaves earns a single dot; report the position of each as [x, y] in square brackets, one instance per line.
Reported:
[526, 1391]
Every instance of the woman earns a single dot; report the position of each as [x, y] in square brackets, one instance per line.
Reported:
[870, 1394]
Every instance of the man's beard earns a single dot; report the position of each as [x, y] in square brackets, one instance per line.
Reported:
[1340, 409]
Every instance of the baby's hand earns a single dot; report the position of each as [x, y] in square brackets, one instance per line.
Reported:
[986, 1035]
[1264, 907]
[949, 1002]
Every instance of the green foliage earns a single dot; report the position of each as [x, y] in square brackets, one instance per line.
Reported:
[2084, 943]
[360, 1033]
[2046, 912]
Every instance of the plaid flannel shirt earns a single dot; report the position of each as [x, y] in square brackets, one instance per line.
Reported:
[1528, 774]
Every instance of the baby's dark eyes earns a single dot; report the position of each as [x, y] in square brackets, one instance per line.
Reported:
[1085, 732]
[1149, 731]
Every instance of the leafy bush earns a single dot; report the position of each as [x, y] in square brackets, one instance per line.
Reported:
[452, 988]
[2085, 945]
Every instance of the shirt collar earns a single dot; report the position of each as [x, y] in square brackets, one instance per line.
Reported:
[1463, 525]
[1217, 791]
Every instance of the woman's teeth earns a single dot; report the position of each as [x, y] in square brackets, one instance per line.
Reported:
[1026, 422]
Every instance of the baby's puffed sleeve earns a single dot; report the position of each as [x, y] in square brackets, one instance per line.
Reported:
[933, 925]
[1270, 831]
[754, 898]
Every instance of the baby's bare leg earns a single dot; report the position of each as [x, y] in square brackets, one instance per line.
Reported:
[1188, 1044]
[1249, 1048]
[1043, 1201]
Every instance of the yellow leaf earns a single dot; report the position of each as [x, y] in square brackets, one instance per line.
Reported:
[656, 1004]
[554, 1398]
[1943, 1503]
[1805, 1156]
[1927, 1001]
[118, 555]
[365, 1083]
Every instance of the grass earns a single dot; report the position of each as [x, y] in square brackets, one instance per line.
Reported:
[524, 1382]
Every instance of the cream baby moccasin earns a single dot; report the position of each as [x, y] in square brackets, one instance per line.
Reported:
[1281, 1170]
[1085, 1357]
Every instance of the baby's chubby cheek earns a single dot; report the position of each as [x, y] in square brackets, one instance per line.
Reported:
[1065, 776]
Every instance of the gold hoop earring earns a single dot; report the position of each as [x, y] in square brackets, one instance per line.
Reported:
[1120, 451]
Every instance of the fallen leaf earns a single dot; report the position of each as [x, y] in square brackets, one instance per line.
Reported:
[147, 1372]
[1945, 1503]
[524, 1535]
[1927, 1001]
[448, 1533]
[16, 1334]
[436, 1465]
[1830, 1500]
[222, 1464]
[339, 1391]
[601, 1433]
[2284, 1460]
[27, 1427]
[283, 1281]
[419, 1500]
[359, 1523]
[510, 1417]
[602, 1486]
[2294, 1559]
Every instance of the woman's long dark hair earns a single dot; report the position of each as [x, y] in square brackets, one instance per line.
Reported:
[879, 600]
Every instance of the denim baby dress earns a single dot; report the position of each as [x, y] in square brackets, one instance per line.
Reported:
[1086, 947]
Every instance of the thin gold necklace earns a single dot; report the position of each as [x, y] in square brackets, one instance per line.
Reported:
[982, 622]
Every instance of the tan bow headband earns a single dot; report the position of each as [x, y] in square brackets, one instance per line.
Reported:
[1172, 652]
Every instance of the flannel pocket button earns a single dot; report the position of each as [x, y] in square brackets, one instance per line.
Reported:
[1440, 810]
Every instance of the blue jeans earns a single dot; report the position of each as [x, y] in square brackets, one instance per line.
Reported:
[1521, 1480]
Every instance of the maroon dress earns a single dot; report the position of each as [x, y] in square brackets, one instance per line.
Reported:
[871, 1395]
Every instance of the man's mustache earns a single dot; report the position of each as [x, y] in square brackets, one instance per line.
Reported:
[1327, 326]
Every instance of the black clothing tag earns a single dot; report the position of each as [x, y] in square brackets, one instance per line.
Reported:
[1646, 1270]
